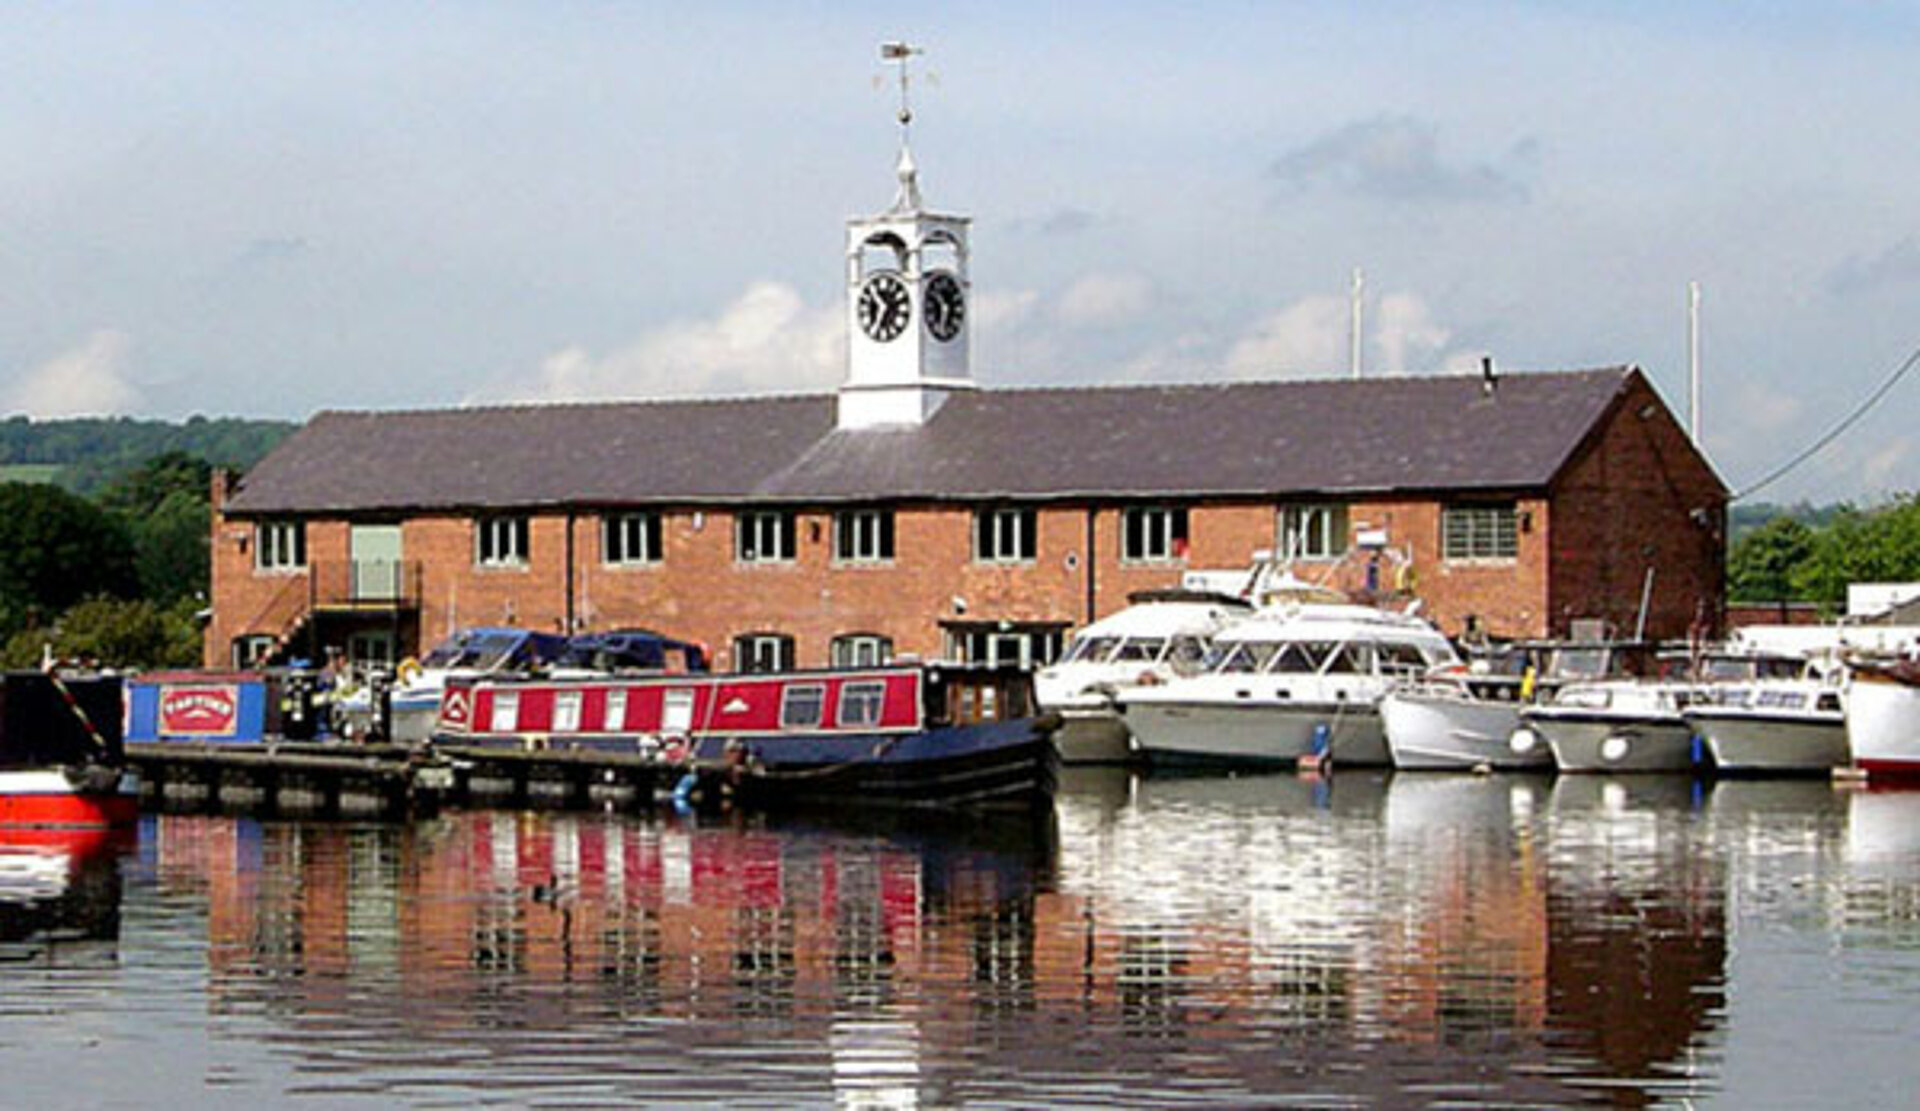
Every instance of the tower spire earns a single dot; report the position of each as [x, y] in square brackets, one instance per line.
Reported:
[898, 54]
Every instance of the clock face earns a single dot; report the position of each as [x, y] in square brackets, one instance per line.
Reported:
[885, 306]
[946, 305]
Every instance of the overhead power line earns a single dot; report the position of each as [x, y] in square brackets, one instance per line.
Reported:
[1833, 433]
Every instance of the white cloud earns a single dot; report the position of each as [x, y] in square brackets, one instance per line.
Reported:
[998, 309]
[1307, 338]
[1101, 299]
[89, 380]
[1886, 468]
[767, 340]
[1406, 337]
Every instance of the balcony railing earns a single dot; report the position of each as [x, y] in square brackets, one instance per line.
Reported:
[366, 584]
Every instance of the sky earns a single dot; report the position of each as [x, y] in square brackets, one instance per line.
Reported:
[272, 208]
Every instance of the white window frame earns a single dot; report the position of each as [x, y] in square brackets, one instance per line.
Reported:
[754, 528]
[863, 536]
[505, 712]
[566, 710]
[860, 650]
[280, 546]
[630, 539]
[750, 648]
[1483, 532]
[1162, 534]
[502, 540]
[1006, 534]
[1313, 531]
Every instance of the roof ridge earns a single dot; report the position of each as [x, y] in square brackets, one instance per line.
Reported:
[577, 403]
[1613, 369]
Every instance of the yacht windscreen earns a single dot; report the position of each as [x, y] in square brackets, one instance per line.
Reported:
[1187, 654]
[1140, 650]
[1091, 650]
[1247, 656]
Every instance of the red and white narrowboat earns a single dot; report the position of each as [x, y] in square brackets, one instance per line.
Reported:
[61, 765]
[906, 734]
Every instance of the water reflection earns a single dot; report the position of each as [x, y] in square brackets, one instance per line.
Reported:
[59, 895]
[1226, 941]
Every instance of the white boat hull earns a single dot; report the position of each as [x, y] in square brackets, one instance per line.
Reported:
[1256, 733]
[1594, 741]
[1445, 731]
[1883, 726]
[1752, 741]
[1089, 735]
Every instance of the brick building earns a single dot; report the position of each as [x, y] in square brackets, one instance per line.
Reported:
[911, 512]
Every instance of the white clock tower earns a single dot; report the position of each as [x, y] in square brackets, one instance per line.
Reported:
[907, 300]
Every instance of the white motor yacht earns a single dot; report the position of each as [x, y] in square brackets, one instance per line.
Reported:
[1459, 719]
[1775, 725]
[1294, 679]
[1163, 635]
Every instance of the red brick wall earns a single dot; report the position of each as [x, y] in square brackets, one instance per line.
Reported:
[1637, 496]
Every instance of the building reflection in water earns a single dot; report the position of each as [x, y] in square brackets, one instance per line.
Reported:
[1477, 939]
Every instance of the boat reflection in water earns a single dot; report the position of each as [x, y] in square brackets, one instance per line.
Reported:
[59, 893]
[1220, 941]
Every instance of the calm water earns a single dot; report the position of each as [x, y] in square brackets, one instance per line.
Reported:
[1162, 942]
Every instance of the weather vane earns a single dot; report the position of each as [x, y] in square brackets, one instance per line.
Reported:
[899, 54]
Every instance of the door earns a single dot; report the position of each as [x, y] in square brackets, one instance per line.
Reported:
[375, 551]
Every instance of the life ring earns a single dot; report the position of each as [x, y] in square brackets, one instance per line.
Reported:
[407, 671]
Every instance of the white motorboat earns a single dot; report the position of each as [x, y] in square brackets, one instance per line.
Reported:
[1775, 726]
[1639, 724]
[1294, 679]
[1163, 635]
[1883, 719]
[416, 687]
[1455, 720]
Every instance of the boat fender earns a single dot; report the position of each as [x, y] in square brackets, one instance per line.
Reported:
[1615, 748]
[1523, 741]
[407, 672]
[1528, 680]
[1322, 740]
[683, 790]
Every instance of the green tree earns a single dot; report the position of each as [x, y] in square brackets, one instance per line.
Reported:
[114, 632]
[1857, 547]
[55, 549]
[1762, 563]
[164, 506]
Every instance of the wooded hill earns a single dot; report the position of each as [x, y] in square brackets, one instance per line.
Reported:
[87, 454]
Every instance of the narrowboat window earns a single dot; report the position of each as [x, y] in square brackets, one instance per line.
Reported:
[763, 652]
[1004, 534]
[614, 717]
[801, 704]
[280, 545]
[863, 536]
[1313, 531]
[676, 712]
[566, 712]
[764, 536]
[1479, 531]
[506, 712]
[860, 704]
[500, 541]
[1153, 534]
[630, 538]
[861, 650]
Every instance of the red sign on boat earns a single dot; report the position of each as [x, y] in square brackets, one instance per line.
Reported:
[207, 710]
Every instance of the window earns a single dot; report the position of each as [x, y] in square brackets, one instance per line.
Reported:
[253, 650]
[1479, 532]
[1004, 644]
[566, 711]
[1003, 535]
[763, 536]
[280, 545]
[801, 705]
[613, 716]
[1313, 531]
[861, 650]
[506, 712]
[860, 704]
[500, 541]
[629, 538]
[863, 535]
[763, 652]
[1153, 533]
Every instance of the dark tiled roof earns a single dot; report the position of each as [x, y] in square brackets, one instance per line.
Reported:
[1430, 433]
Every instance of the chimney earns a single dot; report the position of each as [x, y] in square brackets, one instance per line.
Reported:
[1488, 379]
